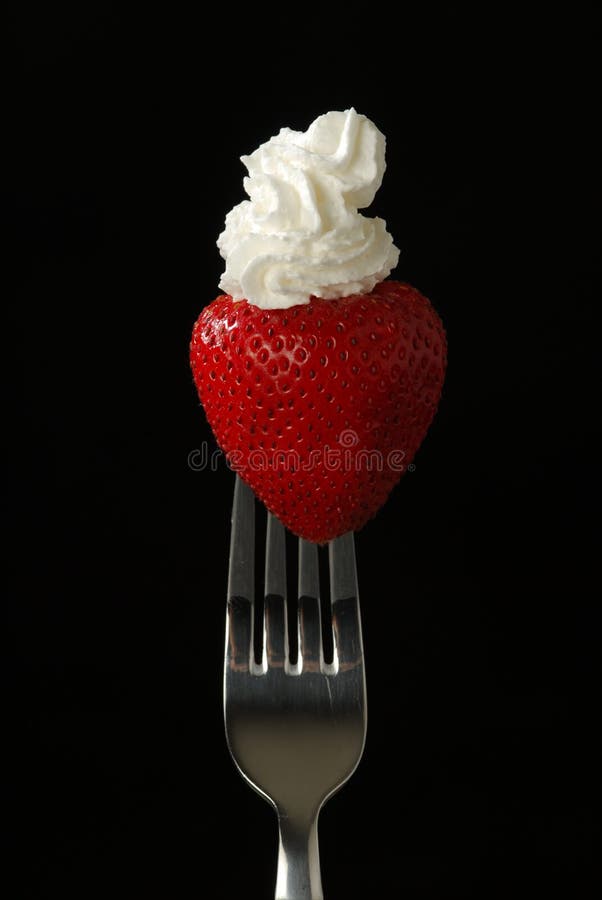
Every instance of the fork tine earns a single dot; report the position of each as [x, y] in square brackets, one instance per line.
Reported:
[241, 572]
[309, 573]
[344, 597]
[275, 593]
[241, 579]
[309, 607]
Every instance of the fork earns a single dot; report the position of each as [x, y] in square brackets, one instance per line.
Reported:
[295, 728]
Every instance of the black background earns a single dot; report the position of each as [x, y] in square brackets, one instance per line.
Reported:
[124, 128]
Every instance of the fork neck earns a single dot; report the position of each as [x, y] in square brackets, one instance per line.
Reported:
[298, 860]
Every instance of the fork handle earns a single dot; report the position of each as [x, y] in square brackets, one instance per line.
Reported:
[298, 875]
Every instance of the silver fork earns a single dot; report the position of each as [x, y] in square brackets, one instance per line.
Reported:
[296, 730]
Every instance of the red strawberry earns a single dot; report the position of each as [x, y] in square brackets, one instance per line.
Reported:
[321, 407]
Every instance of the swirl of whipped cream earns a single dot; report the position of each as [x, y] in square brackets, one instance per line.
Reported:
[300, 233]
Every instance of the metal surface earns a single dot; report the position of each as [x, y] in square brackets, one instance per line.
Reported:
[296, 731]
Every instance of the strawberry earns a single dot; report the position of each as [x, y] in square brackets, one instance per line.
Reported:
[321, 407]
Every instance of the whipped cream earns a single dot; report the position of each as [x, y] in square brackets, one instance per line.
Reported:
[300, 233]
